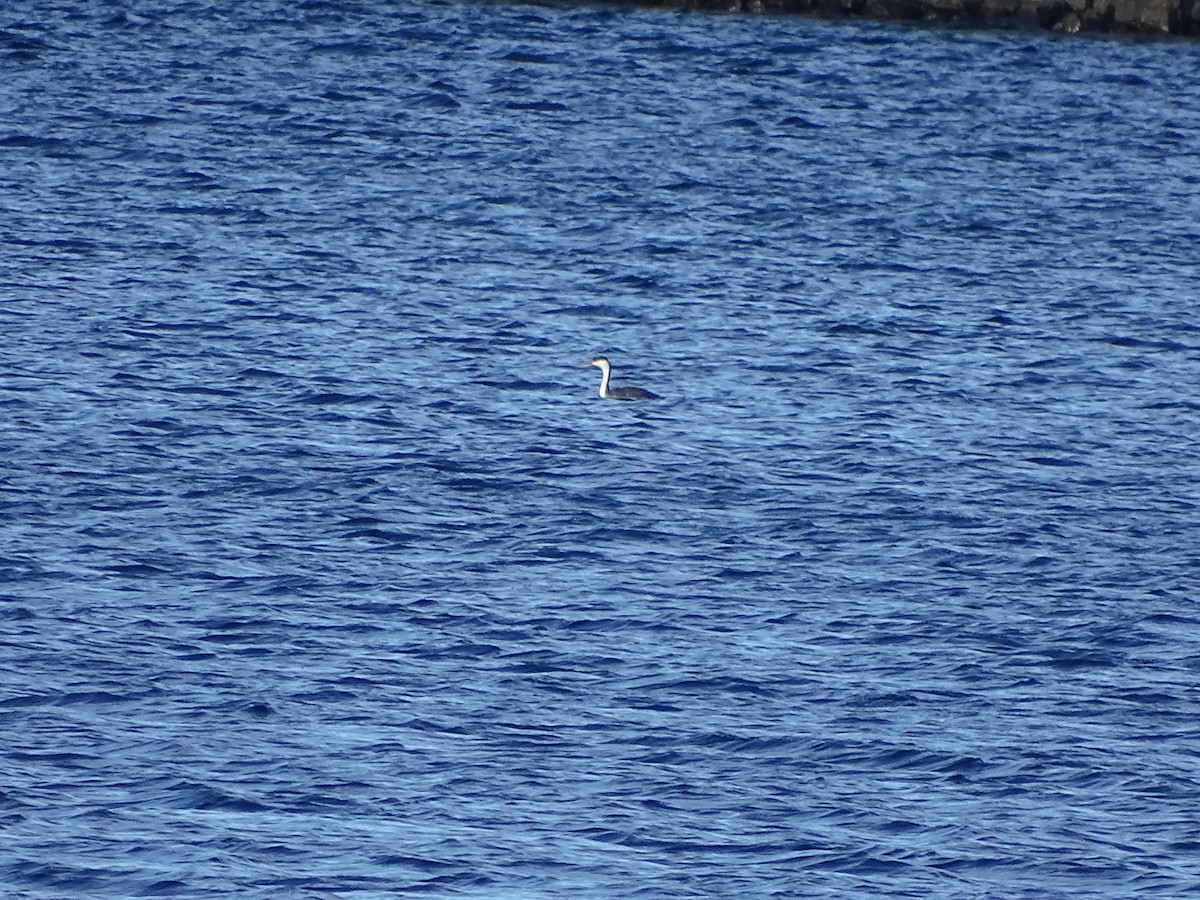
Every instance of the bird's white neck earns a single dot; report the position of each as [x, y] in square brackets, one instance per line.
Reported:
[605, 371]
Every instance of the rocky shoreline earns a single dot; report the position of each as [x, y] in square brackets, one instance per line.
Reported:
[1141, 17]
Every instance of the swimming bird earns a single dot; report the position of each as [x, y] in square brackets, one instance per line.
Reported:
[621, 393]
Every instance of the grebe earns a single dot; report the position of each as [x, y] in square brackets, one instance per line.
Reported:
[621, 393]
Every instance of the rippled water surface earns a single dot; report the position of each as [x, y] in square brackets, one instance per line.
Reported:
[327, 574]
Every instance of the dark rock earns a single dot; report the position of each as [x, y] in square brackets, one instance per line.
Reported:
[1068, 24]
[1149, 17]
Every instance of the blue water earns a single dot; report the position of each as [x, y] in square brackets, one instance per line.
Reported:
[327, 574]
